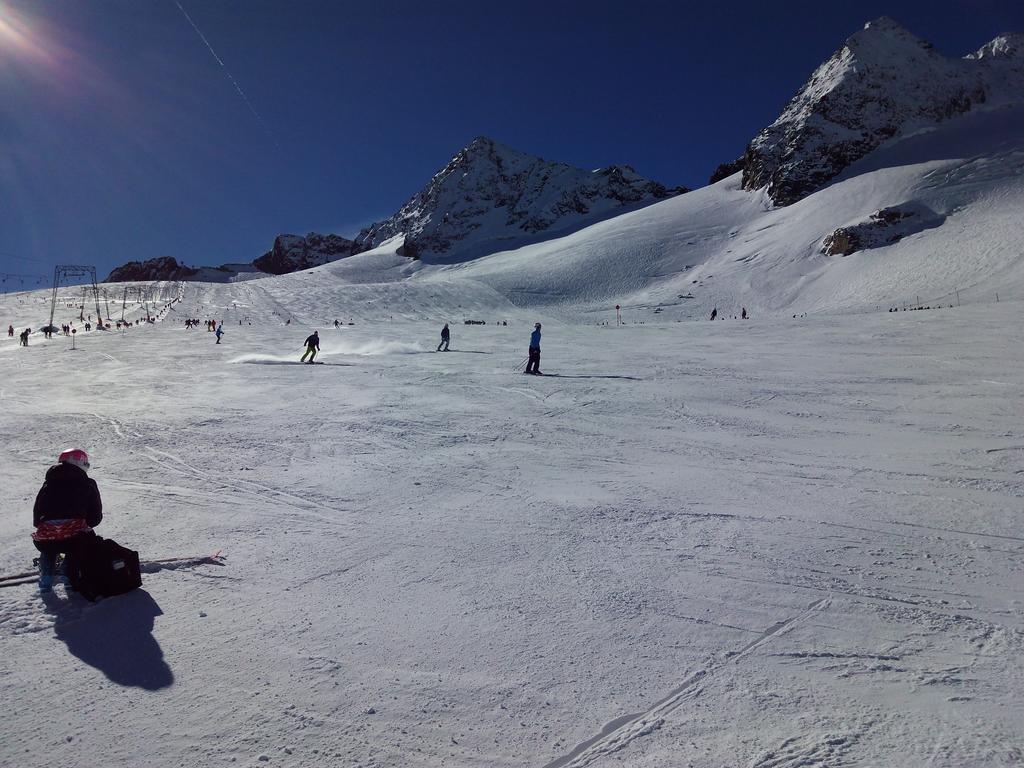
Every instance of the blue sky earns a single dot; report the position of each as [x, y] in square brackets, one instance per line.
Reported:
[122, 137]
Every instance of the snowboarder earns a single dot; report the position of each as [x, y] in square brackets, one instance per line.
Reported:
[24, 336]
[10, 331]
[743, 314]
[714, 313]
[312, 347]
[67, 508]
[533, 364]
[220, 331]
[445, 336]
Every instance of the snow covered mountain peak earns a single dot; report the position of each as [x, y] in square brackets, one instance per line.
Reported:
[882, 83]
[885, 25]
[490, 197]
[1009, 46]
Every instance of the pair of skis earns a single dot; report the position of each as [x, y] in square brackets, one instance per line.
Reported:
[146, 566]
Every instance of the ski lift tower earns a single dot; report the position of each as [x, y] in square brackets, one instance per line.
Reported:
[62, 274]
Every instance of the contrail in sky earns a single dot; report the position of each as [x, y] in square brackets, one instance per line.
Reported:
[227, 72]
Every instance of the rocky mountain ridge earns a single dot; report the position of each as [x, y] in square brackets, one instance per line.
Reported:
[490, 197]
[290, 253]
[487, 198]
[160, 268]
[882, 83]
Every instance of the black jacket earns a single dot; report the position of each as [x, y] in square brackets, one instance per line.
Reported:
[68, 494]
[313, 341]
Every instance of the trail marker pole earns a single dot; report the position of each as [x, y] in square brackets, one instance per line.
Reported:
[618, 315]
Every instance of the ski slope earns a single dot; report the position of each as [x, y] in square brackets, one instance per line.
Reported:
[781, 542]
[721, 246]
[791, 541]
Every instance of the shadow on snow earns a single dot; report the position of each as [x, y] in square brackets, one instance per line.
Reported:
[115, 636]
[587, 376]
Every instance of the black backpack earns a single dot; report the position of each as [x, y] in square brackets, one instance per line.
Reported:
[102, 567]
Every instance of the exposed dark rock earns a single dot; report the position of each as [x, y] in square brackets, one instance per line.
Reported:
[725, 170]
[160, 268]
[292, 253]
[884, 227]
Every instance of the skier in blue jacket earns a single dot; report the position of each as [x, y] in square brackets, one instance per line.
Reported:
[533, 366]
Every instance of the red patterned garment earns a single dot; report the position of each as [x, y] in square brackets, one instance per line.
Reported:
[56, 530]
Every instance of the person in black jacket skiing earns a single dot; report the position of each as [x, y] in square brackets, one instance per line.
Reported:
[445, 338]
[67, 508]
[312, 347]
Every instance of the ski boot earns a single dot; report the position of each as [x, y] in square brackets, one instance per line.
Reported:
[62, 573]
[45, 563]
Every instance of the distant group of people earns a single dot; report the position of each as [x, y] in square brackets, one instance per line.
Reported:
[743, 314]
[917, 309]
[312, 347]
[22, 337]
[66, 329]
[211, 325]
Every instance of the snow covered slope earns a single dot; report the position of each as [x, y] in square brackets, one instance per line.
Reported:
[768, 544]
[723, 246]
[491, 197]
[882, 83]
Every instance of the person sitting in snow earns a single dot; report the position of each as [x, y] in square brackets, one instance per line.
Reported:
[312, 347]
[67, 508]
[445, 337]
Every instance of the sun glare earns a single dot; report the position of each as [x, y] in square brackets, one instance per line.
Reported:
[17, 38]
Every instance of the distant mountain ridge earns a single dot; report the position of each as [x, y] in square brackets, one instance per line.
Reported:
[290, 253]
[881, 84]
[491, 197]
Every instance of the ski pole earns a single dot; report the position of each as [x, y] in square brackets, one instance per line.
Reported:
[524, 362]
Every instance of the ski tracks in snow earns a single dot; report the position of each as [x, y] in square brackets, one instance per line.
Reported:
[622, 731]
[171, 462]
[813, 750]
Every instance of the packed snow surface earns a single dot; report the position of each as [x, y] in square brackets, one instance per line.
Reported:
[788, 541]
[780, 542]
